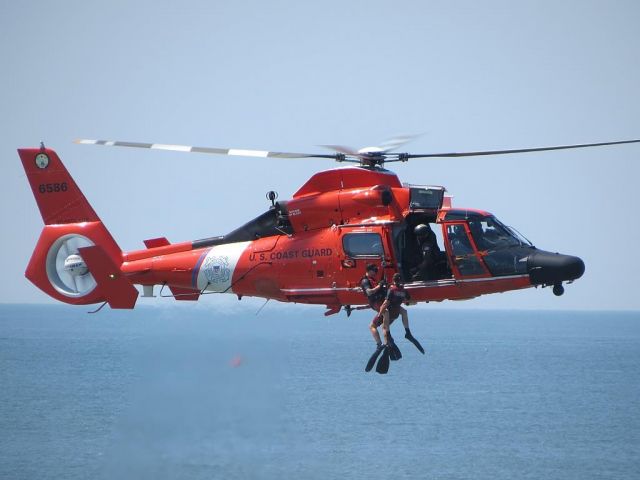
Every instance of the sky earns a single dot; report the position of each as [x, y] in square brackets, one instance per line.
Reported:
[289, 76]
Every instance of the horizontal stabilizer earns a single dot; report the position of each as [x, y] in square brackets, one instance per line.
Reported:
[180, 293]
[156, 242]
[114, 287]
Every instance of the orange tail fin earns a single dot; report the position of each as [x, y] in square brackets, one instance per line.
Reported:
[72, 229]
[57, 195]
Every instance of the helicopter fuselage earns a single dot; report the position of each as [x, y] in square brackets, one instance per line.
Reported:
[314, 247]
[310, 249]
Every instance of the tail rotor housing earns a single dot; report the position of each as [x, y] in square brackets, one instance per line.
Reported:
[66, 270]
[76, 260]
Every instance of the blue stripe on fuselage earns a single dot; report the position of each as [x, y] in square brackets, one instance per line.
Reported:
[196, 269]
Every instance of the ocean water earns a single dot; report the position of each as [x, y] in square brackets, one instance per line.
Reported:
[194, 393]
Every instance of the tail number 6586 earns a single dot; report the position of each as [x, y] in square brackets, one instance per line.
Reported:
[52, 187]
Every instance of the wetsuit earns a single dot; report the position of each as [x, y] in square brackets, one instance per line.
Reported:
[396, 295]
[375, 300]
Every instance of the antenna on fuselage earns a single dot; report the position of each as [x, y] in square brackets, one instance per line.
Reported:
[271, 195]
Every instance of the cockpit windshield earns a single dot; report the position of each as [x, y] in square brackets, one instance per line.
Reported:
[490, 234]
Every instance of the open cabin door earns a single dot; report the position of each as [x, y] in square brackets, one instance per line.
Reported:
[466, 261]
[424, 204]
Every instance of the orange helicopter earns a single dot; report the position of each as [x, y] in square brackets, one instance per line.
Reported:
[310, 249]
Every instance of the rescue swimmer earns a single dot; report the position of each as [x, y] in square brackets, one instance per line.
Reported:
[387, 311]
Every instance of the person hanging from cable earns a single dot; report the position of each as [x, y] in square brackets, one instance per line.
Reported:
[387, 311]
[392, 308]
[376, 292]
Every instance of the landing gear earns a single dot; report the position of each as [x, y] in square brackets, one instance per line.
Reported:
[558, 289]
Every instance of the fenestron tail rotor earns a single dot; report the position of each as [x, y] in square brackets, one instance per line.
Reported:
[370, 157]
[66, 270]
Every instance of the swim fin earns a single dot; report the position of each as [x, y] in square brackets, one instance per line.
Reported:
[394, 352]
[373, 358]
[413, 340]
[383, 364]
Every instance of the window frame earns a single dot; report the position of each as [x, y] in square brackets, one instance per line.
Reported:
[456, 260]
[350, 254]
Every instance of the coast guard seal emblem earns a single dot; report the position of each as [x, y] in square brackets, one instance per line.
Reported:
[216, 270]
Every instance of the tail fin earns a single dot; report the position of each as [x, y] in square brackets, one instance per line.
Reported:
[59, 198]
[57, 265]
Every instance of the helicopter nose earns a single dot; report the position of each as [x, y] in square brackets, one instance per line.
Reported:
[552, 268]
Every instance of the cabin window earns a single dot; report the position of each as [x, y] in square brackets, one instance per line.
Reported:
[426, 198]
[362, 245]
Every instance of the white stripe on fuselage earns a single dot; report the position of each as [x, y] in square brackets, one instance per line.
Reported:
[216, 270]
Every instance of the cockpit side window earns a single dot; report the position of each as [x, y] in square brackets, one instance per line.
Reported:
[359, 245]
[460, 243]
[466, 258]
[489, 234]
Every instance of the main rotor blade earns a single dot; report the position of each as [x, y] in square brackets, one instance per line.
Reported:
[519, 150]
[388, 145]
[394, 142]
[342, 149]
[209, 150]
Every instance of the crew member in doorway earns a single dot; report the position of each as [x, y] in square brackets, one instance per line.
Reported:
[429, 251]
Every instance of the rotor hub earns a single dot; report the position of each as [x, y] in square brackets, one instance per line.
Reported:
[74, 265]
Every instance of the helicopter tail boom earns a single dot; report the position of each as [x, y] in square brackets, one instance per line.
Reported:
[76, 260]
